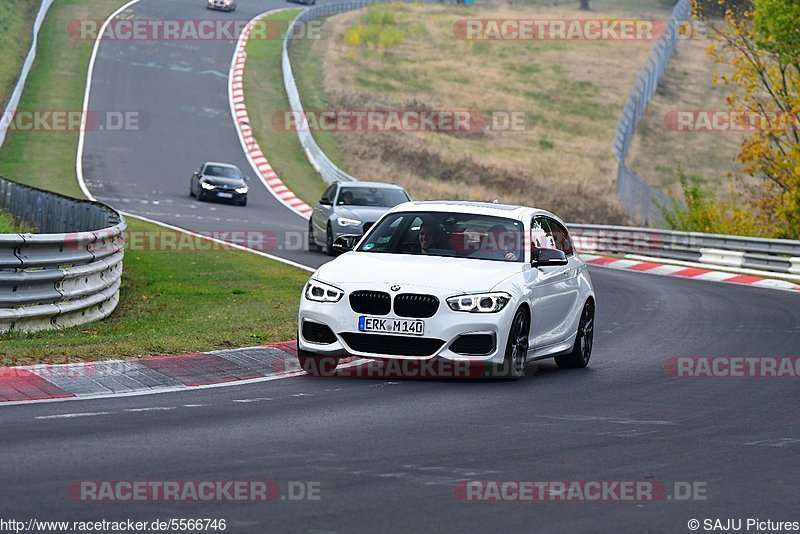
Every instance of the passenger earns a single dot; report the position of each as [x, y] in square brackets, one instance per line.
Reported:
[499, 243]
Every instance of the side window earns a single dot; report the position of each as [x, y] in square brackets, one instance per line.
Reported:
[561, 238]
[541, 235]
[329, 193]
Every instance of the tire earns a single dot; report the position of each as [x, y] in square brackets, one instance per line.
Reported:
[243, 202]
[513, 367]
[191, 190]
[329, 242]
[312, 242]
[319, 365]
[582, 350]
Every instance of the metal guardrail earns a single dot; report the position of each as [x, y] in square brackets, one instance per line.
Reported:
[67, 273]
[639, 199]
[772, 255]
[320, 161]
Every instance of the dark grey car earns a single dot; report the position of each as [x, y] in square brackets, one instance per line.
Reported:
[219, 181]
[350, 208]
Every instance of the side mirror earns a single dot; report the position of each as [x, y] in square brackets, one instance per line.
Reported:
[325, 201]
[247, 178]
[548, 257]
[345, 243]
[196, 173]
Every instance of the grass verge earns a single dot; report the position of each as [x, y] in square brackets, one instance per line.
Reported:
[9, 225]
[16, 25]
[568, 93]
[267, 106]
[170, 302]
[177, 302]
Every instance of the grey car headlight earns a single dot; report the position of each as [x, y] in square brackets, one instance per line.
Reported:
[321, 292]
[344, 221]
[479, 303]
[241, 190]
[206, 185]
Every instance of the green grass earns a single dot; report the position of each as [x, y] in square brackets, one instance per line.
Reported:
[57, 81]
[170, 302]
[9, 225]
[16, 25]
[176, 302]
[266, 102]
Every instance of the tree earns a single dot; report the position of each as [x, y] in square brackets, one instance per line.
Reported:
[761, 48]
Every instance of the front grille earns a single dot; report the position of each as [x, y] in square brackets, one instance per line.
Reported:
[318, 333]
[371, 302]
[473, 344]
[392, 345]
[413, 305]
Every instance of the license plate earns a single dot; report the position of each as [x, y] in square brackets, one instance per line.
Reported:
[391, 326]
[225, 195]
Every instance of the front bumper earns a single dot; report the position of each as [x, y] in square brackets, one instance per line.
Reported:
[221, 195]
[446, 327]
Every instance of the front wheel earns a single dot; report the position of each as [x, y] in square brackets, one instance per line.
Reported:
[318, 365]
[329, 242]
[312, 242]
[582, 350]
[516, 347]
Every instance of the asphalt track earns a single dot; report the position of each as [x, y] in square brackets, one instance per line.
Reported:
[179, 90]
[387, 453]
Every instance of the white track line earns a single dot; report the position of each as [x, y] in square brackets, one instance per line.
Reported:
[85, 109]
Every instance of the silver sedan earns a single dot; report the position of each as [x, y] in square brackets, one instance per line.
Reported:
[348, 208]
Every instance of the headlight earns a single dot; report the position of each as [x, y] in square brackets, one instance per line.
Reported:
[344, 221]
[479, 303]
[322, 292]
[206, 185]
[242, 190]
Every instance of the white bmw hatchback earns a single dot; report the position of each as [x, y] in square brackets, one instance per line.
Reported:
[462, 281]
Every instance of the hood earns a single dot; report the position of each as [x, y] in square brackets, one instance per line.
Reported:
[362, 213]
[432, 272]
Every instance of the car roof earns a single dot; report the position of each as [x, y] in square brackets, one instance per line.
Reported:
[218, 164]
[378, 185]
[511, 211]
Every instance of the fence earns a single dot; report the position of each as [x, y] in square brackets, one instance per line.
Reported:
[66, 273]
[639, 199]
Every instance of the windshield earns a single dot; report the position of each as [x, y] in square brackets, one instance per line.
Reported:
[371, 196]
[463, 235]
[222, 172]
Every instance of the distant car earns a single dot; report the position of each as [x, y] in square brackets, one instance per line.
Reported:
[222, 5]
[306, 2]
[219, 181]
[479, 283]
[350, 208]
